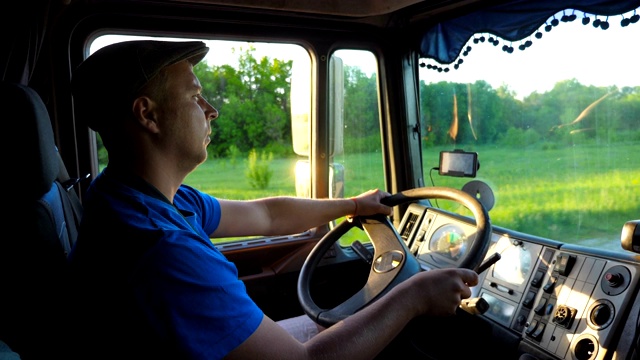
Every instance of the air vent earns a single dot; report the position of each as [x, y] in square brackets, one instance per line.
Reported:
[408, 226]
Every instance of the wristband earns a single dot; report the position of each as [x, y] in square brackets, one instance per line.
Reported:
[355, 202]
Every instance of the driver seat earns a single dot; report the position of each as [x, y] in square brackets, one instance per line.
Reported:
[44, 215]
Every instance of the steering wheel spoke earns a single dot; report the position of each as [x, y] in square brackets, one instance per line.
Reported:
[380, 228]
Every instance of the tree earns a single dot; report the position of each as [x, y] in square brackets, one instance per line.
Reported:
[253, 102]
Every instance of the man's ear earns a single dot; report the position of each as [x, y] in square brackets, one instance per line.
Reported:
[145, 113]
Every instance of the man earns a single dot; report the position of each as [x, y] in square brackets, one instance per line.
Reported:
[150, 283]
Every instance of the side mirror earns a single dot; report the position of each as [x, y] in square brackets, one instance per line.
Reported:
[301, 106]
[630, 237]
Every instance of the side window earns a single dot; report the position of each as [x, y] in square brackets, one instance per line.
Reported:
[356, 159]
[356, 117]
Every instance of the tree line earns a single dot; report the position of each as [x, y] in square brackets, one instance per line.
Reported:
[569, 112]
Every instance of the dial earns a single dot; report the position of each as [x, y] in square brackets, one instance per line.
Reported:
[450, 241]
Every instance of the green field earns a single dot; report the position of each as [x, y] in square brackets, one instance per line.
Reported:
[568, 194]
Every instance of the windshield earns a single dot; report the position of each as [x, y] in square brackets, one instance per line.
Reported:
[554, 122]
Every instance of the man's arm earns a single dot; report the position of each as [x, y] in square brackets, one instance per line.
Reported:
[366, 333]
[289, 215]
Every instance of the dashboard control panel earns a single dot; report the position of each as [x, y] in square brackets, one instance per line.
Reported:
[560, 301]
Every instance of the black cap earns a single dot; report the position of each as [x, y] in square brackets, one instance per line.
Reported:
[108, 80]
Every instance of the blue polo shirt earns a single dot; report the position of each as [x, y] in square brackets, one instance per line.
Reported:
[149, 281]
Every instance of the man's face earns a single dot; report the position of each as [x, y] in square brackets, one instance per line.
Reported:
[184, 117]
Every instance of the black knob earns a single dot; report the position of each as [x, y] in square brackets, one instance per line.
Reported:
[614, 279]
[600, 314]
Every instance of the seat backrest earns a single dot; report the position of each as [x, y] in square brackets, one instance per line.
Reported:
[40, 227]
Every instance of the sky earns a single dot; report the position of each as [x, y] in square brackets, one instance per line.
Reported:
[595, 59]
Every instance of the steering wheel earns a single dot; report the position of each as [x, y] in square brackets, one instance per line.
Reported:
[392, 262]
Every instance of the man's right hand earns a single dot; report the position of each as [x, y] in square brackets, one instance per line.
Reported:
[439, 292]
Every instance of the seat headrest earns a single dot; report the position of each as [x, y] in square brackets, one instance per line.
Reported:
[33, 158]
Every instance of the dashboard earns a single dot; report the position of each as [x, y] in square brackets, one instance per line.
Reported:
[559, 301]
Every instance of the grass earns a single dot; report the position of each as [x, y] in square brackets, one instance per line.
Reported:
[225, 180]
[566, 194]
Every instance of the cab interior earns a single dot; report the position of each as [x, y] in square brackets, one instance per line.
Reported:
[569, 300]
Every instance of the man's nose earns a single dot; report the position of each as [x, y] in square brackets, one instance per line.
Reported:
[211, 112]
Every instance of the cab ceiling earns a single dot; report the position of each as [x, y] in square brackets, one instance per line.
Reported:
[340, 8]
